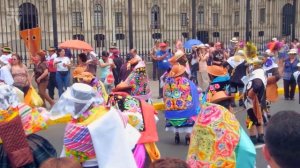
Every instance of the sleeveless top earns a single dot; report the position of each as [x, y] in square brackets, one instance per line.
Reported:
[20, 76]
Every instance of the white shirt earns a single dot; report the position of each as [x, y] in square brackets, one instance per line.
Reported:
[62, 60]
[52, 57]
[5, 58]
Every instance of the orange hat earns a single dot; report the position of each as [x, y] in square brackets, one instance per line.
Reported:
[85, 76]
[176, 57]
[219, 96]
[122, 87]
[216, 70]
[176, 70]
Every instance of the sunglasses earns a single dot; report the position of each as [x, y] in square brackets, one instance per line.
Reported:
[14, 59]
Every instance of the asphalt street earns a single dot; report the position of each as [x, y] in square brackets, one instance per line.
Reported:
[166, 143]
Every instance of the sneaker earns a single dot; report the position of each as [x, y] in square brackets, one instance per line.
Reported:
[159, 97]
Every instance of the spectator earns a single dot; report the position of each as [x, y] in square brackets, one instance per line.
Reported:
[162, 57]
[194, 64]
[203, 56]
[63, 65]
[152, 54]
[91, 62]
[124, 71]
[106, 67]
[282, 140]
[6, 56]
[169, 163]
[134, 54]
[118, 62]
[52, 71]
[20, 74]
[61, 163]
[290, 66]
[41, 77]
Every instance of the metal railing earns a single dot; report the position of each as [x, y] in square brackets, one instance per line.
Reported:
[137, 24]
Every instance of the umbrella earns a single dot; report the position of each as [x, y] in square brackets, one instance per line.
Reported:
[76, 44]
[188, 44]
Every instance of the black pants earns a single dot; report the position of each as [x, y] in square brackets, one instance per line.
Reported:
[289, 88]
[160, 73]
[52, 84]
[154, 69]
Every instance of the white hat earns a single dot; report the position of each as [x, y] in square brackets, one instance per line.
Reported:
[274, 39]
[293, 51]
[241, 53]
[269, 53]
[207, 45]
[75, 100]
[201, 46]
[234, 40]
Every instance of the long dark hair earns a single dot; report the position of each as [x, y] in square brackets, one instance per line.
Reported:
[59, 51]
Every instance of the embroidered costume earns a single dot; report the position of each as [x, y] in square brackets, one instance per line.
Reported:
[218, 140]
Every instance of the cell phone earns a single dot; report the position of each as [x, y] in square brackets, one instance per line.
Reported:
[58, 62]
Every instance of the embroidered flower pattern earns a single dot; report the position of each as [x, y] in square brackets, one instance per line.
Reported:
[214, 138]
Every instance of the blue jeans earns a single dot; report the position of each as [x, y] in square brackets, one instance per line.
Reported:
[62, 81]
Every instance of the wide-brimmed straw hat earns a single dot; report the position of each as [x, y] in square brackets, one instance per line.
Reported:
[216, 70]
[293, 51]
[176, 70]
[75, 100]
[51, 49]
[176, 57]
[219, 96]
[85, 77]
[6, 50]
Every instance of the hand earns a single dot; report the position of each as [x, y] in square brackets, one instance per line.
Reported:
[128, 66]
[38, 80]
[65, 65]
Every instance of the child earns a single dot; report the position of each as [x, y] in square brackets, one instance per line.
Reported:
[297, 78]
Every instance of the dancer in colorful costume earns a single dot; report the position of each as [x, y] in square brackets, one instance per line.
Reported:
[237, 69]
[217, 139]
[220, 80]
[141, 116]
[96, 136]
[181, 99]
[19, 145]
[89, 79]
[272, 73]
[255, 87]
[138, 80]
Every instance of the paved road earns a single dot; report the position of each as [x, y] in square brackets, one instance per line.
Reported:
[166, 144]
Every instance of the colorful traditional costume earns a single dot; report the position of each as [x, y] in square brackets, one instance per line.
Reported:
[21, 147]
[255, 87]
[141, 116]
[96, 135]
[139, 82]
[218, 140]
[271, 70]
[181, 99]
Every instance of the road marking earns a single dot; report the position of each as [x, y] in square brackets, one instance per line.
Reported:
[259, 146]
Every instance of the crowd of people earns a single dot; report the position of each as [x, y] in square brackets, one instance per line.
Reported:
[111, 121]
